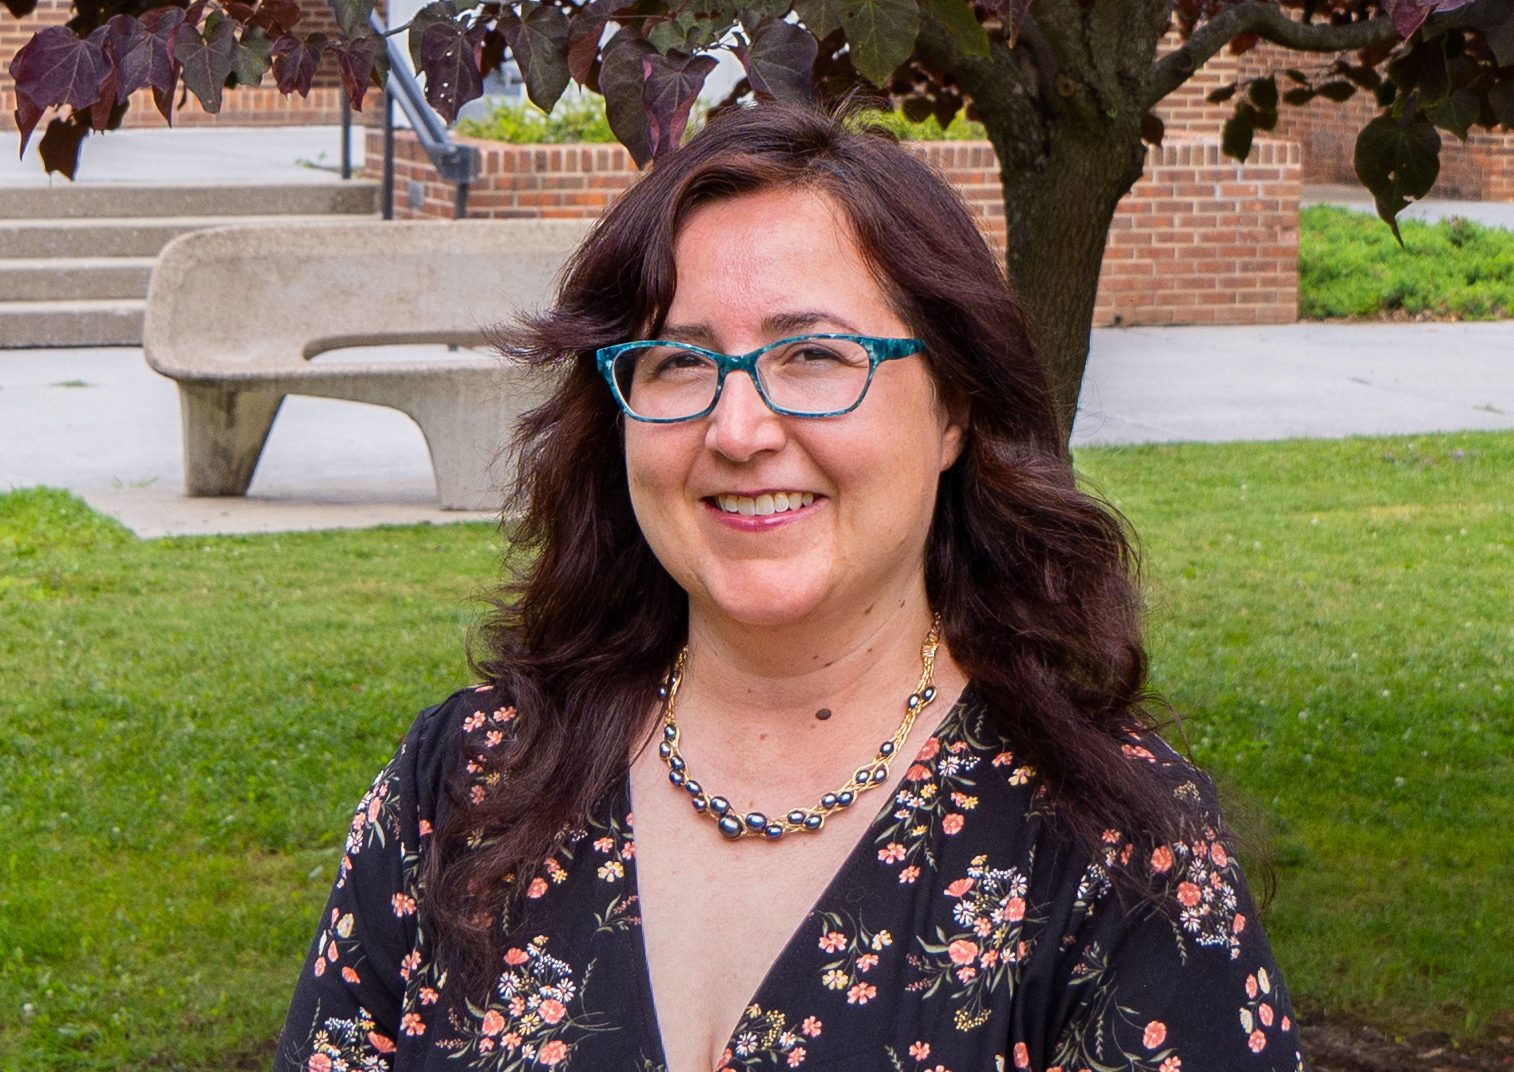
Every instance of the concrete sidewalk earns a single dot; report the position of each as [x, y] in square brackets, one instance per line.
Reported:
[101, 424]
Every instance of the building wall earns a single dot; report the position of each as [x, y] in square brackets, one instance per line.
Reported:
[1200, 239]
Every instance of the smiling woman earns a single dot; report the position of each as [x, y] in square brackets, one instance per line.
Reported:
[799, 509]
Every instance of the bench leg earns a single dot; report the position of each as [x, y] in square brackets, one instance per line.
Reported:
[467, 453]
[224, 432]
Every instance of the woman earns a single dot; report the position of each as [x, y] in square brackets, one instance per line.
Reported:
[807, 578]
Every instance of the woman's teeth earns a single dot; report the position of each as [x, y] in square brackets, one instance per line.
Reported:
[776, 503]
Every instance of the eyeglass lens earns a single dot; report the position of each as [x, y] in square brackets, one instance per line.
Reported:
[805, 376]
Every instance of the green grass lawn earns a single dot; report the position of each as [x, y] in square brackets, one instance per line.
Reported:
[189, 722]
[1350, 267]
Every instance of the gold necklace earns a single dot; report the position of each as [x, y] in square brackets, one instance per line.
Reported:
[755, 824]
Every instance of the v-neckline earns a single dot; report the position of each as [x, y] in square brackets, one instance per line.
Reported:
[651, 1024]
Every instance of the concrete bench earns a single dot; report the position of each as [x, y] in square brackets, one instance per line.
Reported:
[235, 315]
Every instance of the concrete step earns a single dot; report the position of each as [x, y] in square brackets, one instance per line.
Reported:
[53, 278]
[353, 197]
[116, 236]
[97, 322]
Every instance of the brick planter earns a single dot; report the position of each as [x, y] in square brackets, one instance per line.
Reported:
[1200, 240]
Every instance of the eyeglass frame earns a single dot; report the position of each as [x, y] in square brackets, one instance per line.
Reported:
[878, 350]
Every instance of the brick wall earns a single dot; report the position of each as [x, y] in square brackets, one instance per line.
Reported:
[1204, 240]
[262, 106]
[1480, 168]
[1200, 239]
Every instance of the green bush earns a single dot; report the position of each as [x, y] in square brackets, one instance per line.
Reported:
[905, 129]
[1350, 267]
[575, 119]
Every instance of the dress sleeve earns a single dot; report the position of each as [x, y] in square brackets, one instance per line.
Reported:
[1181, 979]
[347, 1009]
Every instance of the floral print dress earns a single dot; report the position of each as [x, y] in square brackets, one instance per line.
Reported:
[963, 933]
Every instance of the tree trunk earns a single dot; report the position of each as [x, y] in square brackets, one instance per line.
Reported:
[1058, 209]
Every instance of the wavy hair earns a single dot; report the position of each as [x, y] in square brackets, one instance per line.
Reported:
[1035, 581]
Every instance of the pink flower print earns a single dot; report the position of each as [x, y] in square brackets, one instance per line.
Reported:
[1238, 924]
[1286, 1024]
[928, 750]
[318, 1062]
[476, 794]
[832, 941]
[604, 844]
[381, 1043]
[511, 1040]
[1218, 854]
[983, 926]
[515, 956]
[1111, 837]
[493, 1022]
[1251, 986]
[331, 952]
[493, 738]
[425, 827]
[959, 887]
[1172, 1064]
[893, 852]
[861, 994]
[1137, 752]
[1014, 909]
[537, 888]
[725, 1061]
[867, 961]
[1162, 860]
[552, 1010]
[989, 958]
[811, 1027]
[404, 904]
[1003, 759]
[962, 951]
[517, 1007]
[411, 962]
[319, 969]
[628, 850]
[1154, 1035]
[1189, 894]
[504, 714]
[920, 1051]
[917, 772]
[411, 1024]
[967, 973]
[1022, 1056]
[473, 721]
[908, 875]
[1264, 1014]
[952, 823]
[428, 996]
[1257, 1041]
[552, 1053]
[796, 1057]
[351, 976]
[485, 1045]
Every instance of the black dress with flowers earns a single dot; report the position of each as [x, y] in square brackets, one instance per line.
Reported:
[962, 933]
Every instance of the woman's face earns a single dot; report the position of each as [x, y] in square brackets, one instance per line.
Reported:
[753, 269]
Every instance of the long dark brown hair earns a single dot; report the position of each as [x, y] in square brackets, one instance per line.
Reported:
[1034, 579]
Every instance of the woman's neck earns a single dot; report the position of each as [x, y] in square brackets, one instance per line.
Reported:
[801, 699]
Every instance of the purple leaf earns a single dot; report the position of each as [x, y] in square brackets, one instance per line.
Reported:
[207, 60]
[780, 61]
[452, 77]
[1409, 15]
[295, 62]
[159, 68]
[27, 115]
[59, 147]
[356, 60]
[621, 80]
[57, 66]
[669, 88]
[539, 40]
[585, 30]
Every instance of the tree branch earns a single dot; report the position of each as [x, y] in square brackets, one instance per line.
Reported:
[1269, 22]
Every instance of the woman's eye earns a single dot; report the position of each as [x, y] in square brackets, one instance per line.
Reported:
[674, 361]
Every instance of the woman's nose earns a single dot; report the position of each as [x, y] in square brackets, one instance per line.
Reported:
[741, 425]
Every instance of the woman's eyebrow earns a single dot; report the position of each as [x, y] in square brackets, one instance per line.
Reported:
[776, 325]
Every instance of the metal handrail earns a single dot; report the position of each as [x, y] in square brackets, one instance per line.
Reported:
[455, 163]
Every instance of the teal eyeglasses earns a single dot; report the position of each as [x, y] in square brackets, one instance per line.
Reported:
[824, 375]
